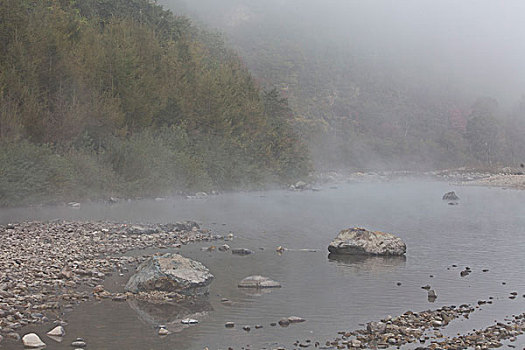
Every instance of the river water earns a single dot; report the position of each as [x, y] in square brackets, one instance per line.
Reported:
[485, 231]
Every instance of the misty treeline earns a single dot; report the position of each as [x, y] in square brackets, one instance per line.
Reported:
[120, 97]
[364, 98]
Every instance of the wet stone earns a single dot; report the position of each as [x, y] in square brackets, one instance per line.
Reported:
[242, 251]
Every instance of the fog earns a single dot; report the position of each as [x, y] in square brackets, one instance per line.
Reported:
[476, 46]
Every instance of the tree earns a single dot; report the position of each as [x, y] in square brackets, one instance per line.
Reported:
[482, 130]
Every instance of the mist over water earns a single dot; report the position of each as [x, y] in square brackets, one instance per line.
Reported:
[485, 231]
[141, 104]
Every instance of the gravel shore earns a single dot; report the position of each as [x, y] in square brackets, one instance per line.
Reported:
[48, 266]
[500, 180]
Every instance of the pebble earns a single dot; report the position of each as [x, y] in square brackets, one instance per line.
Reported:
[79, 343]
[31, 340]
[13, 336]
[189, 321]
[163, 331]
[284, 322]
[295, 319]
[224, 248]
[58, 331]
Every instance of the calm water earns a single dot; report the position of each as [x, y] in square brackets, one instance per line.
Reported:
[487, 230]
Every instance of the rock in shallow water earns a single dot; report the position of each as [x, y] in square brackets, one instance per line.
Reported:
[450, 196]
[258, 282]
[31, 340]
[58, 331]
[171, 273]
[242, 251]
[359, 241]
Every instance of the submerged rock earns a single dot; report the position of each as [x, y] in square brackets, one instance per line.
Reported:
[31, 340]
[171, 273]
[258, 282]
[432, 296]
[242, 251]
[356, 241]
[450, 196]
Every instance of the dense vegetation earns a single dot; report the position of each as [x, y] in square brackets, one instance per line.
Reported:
[363, 109]
[120, 97]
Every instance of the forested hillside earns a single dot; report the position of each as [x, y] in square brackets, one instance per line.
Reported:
[370, 91]
[121, 97]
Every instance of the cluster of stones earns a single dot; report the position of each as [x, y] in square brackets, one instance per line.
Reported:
[43, 264]
[411, 327]
[490, 337]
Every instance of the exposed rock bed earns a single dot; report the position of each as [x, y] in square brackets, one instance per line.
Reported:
[46, 266]
[424, 328]
[500, 180]
[410, 327]
[359, 241]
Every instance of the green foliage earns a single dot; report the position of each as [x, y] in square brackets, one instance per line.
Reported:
[35, 174]
[127, 87]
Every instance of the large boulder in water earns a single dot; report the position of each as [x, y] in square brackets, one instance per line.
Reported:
[358, 241]
[171, 273]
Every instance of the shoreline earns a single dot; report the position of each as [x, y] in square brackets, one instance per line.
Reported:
[503, 178]
[48, 267]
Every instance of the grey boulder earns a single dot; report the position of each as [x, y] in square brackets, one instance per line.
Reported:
[171, 273]
[359, 241]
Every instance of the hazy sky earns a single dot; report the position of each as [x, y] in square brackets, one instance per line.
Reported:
[477, 44]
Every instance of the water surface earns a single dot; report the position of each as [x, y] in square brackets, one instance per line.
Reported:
[485, 231]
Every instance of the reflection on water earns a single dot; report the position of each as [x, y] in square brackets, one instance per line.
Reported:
[487, 231]
[170, 314]
[373, 264]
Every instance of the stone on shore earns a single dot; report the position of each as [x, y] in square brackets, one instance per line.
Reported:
[31, 340]
[171, 273]
[58, 331]
[258, 282]
[450, 196]
[359, 241]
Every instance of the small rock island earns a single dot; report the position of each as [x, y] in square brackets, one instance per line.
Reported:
[359, 241]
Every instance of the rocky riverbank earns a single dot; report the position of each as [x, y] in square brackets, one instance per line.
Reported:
[48, 266]
[499, 180]
[425, 328]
